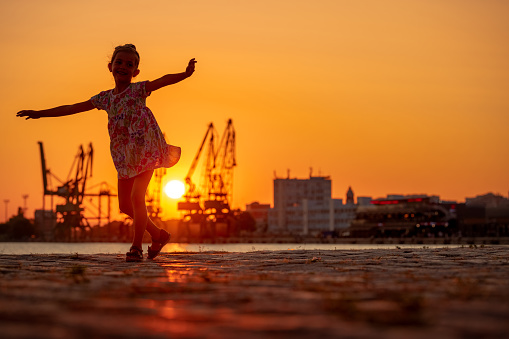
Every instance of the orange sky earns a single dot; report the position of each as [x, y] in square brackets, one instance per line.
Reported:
[394, 96]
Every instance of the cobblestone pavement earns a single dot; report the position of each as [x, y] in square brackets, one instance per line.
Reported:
[382, 293]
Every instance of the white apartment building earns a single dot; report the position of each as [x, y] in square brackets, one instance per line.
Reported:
[306, 206]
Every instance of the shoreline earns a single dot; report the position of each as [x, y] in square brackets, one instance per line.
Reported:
[314, 240]
[363, 241]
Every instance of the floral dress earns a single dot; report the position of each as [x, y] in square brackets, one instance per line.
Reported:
[136, 141]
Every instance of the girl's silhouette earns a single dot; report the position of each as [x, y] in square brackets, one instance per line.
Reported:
[137, 144]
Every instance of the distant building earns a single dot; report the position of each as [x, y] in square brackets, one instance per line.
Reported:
[405, 215]
[45, 223]
[305, 206]
[344, 213]
[350, 197]
[364, 201]
[260, 213]
[484, 216]
[487, 200]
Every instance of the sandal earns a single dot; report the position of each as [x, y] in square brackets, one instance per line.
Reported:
[135, 254]
[164, 237]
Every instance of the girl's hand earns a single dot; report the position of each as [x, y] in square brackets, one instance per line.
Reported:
[29, 114]
[190, 67]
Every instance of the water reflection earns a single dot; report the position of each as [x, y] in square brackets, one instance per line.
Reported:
[176, 276]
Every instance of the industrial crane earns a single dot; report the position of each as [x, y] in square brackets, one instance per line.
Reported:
[193, 194]
[73, 190]
[220, 177]
[153, 194]
[70, 214]
[208, 203]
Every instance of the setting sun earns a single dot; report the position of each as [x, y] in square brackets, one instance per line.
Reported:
[175, 189]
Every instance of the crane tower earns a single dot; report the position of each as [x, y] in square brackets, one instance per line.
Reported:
[71, 219]
[207, 201]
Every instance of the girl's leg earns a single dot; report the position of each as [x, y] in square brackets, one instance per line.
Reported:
[140, 215]
[131, 197]
[126, 206]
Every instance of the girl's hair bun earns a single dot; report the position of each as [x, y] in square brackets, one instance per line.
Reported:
[126, 46]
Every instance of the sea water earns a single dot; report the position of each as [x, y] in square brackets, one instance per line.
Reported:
[122, 248]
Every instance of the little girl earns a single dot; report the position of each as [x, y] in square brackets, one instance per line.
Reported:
[137, 144]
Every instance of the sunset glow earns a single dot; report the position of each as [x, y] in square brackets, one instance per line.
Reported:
[388, 97]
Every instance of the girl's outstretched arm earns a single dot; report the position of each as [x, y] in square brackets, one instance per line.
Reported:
[58, 111]
[170, 79]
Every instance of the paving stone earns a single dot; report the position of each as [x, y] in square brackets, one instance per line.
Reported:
[376, 293]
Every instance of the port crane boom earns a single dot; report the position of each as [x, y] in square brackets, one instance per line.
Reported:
[209, 202]
[220, 183]
[191, 187]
